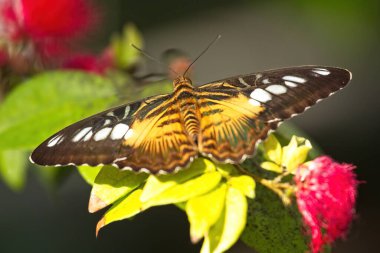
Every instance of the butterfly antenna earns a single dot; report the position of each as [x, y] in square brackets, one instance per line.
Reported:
[204, 51]
[153, 58]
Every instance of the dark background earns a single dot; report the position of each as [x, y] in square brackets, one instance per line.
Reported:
[256, 35]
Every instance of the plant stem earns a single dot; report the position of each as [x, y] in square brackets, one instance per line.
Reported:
[273, 185]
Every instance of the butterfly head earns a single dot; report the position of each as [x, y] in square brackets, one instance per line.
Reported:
[181, 81]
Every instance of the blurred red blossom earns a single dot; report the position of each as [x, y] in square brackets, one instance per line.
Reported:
[91, 63]
[326, 195]
[3, 57]
[48, 25]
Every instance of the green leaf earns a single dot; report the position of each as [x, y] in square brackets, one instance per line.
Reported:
[230, 225]
[245, 184]
[13, 166]
[270, 166]
[155, 185]
[271, 227]
[212, 239]
[47, 102]
[235, 219]
[287, 130]
[126, 56]
[295, 153]
[112, 184]
[89, 173]
[123, 209]
[204, 211]
[156, 88]
[227, 170]
[187, 190]
[273, 149]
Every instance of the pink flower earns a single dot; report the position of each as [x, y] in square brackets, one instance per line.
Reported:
[48, 25]
[90, 63]
[326, 195]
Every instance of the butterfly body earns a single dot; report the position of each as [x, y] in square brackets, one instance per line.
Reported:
[223, 120]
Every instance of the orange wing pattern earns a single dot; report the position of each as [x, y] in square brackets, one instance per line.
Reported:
[230, 127]
[159, 142]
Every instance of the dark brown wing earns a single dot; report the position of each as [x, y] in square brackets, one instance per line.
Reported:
[144, 135]
[238, 112]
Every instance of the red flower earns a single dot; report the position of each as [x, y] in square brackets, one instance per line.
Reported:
[3, 57]
[48, 25]
[90, 63]
[326, 194]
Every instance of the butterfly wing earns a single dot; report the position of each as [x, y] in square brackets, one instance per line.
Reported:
[238, 112]
[141, 135]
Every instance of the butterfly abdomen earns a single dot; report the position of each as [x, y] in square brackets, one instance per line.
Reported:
[189, 112]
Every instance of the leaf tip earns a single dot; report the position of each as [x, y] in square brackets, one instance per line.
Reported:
[95, 203]
[101, 223]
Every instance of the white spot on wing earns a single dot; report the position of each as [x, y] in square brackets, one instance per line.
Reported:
[81, 134]
[321, 71]
[129, 134]
[126, 112]
[254, 102]
[261, 95]
[54, 141]
[276, 89]
[106, 122]
[119, 159]
[102, 134]
[88, 136]
[242, 81]
[265, 81]
[119, 131]
[110, 114]
[290, 84]
[294, 79]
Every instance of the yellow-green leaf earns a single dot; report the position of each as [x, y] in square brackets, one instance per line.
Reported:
[111, 184]
[126, 208]
[13, 167]
[299, 156]
[212, 238]
[187, 190]
[230, 224]
[204, 211]
[272, 149]
[288, 151]
[226, 170]
[245, 184]
[270, 166]
[89, 173]
[235, 219]
[295, 153]
[155, 185]
[125, 54]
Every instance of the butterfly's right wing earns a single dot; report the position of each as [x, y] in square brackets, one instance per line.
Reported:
[142, 135]
[238, 112]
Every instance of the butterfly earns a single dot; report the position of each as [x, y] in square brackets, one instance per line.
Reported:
[224, 120]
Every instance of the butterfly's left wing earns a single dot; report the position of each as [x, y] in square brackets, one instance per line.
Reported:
[238, 112]
[144, 135]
